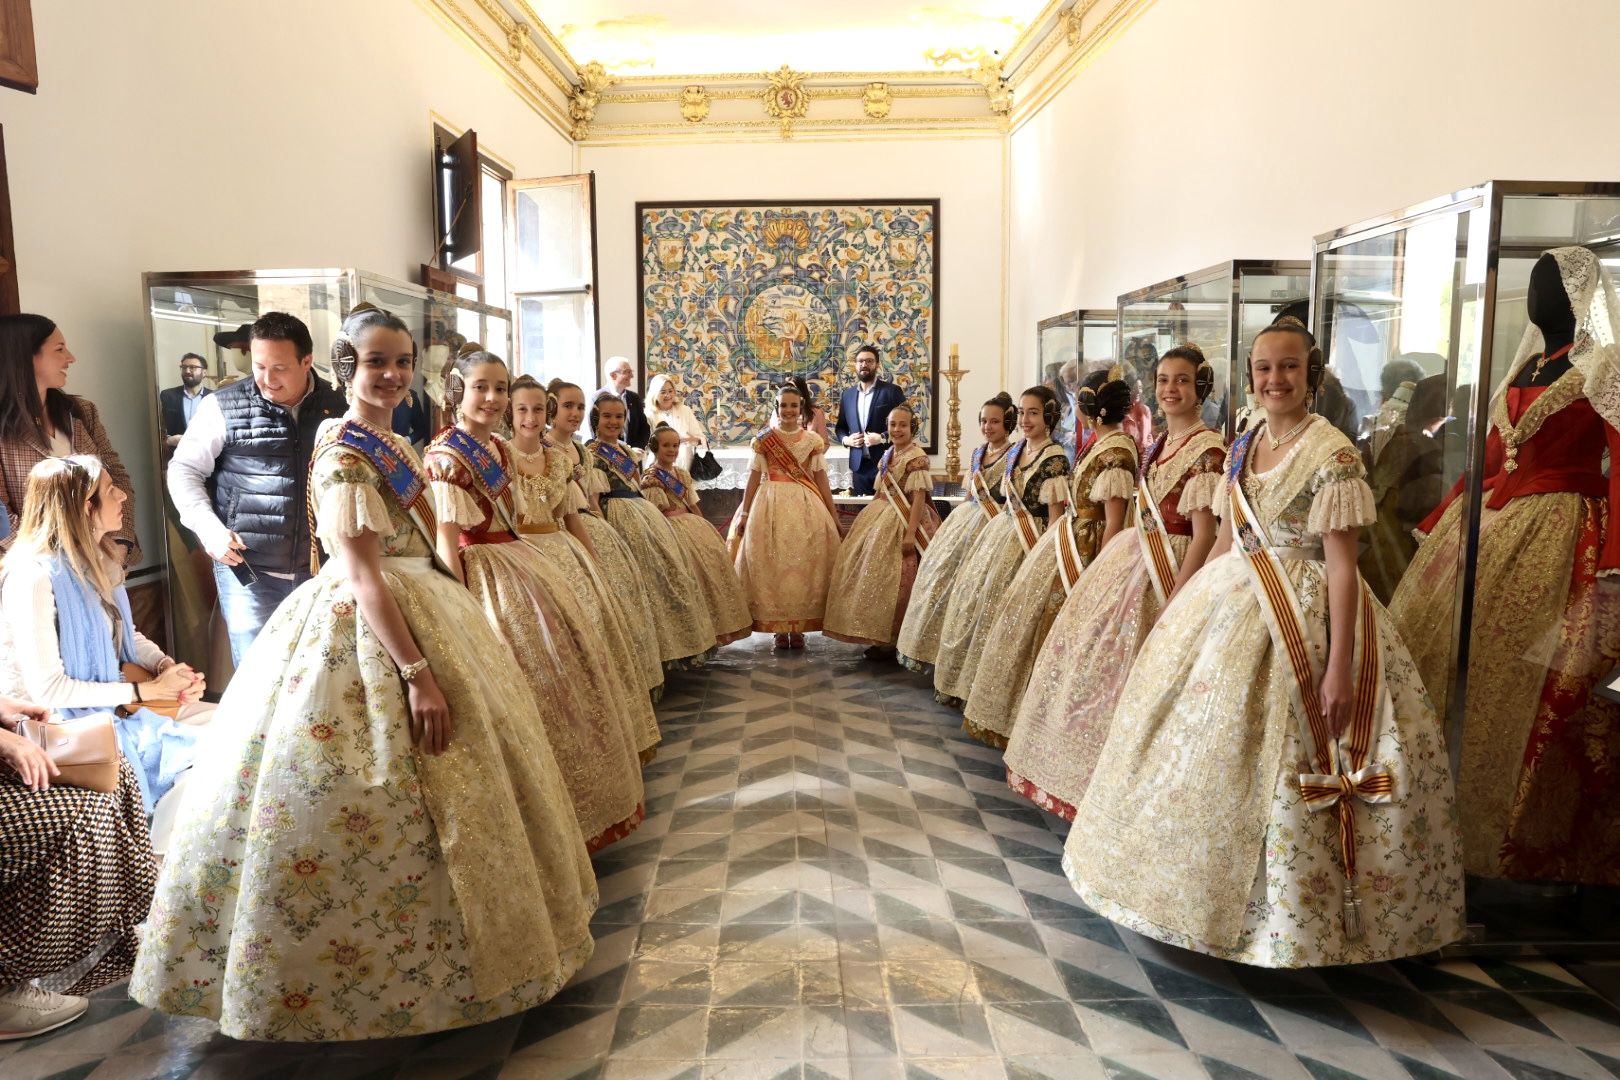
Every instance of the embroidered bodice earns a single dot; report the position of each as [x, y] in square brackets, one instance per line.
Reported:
[1186, 481]
[805, 446]
[1039, 479]
[542, 488]
[1319, 486]
[659, 494]
[349, 497]
[990, 467]
[910, 468]
[458, 496]
[1106, 471]
[607, 477]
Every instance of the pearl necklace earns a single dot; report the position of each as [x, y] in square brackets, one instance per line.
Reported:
[1276, 443]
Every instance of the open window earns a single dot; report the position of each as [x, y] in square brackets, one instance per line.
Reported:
[553, 278]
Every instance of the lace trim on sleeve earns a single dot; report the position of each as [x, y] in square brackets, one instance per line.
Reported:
[455, 505]
[655, 493]
[1200, 493]
[1054, 491]
[1221, 504]
[1112, 484]
[918, 479]
[348, 509]
[816, 463]
[1342, 504]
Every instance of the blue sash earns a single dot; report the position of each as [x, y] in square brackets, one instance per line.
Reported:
[487, 469]
[883, 462]
[398, 471]
[1238, 456]
[670, 481]
[618, 458]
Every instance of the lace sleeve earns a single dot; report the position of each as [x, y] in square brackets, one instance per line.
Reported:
[918, 479]
[1054, 491]
[1112, 483]
[1201, 490]
[693, 503]
[1342, 499]
[348, 499]
[450, 486]
[655, 493]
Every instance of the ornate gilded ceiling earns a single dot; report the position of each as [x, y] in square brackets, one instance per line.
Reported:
[605, 71]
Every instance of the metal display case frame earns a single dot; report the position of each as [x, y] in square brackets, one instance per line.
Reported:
[1482, 247]
[1080, 319]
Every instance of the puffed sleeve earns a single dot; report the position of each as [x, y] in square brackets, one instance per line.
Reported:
[1054, 489]
[348, 498]
[655, 493]
[1117, 480]
[817, 462]
[1342, 499]
[918, 478]
[693, 503]
[451, 488]
[596, 477]
[1199, 491]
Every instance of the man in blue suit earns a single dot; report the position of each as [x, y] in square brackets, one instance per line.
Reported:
[863, 419]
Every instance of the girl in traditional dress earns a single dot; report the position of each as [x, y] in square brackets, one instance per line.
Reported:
[1035, 483]
[1538, 782]
[877, 562]
[614, 560]
[1104, 478]
[1075, 684]
[785, 557]
[671, 490]
[529, 597]
[1275, 789]
[918, 642]
[685, 633]
[378, 842]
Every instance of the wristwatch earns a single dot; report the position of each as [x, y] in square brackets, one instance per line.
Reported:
[410, 671]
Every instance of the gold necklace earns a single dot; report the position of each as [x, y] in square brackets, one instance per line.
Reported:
[1276, 443]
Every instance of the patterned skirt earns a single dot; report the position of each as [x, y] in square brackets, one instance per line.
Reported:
[76, 877]
[1539, 784]
[976, 600]
[718, 584]
[785, 558]
[872, 579]
[918, 642]
[617, 568]
[677, 610]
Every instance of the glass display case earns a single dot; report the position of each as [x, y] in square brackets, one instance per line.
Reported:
[1421, 313]
[185, 312]
[1220, 308]
[1085, 335]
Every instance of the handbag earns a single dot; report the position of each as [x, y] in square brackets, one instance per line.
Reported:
[84, 750]
[704, 466]
[135, 673]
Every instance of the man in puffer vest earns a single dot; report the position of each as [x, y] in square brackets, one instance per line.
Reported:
[240, 475]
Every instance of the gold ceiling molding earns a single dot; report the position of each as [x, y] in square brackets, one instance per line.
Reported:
[588, 104]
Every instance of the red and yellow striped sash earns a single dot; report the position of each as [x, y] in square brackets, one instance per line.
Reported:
[1150, 530]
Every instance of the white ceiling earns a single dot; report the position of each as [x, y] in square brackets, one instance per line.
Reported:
[688, 37]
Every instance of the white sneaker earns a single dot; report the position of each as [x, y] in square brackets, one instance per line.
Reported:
[27, 1010]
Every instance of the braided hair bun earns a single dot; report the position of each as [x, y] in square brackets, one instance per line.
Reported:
[362, 317]
[1203, 371]
[1105, 396]
[1008, 409]
[1315, 362]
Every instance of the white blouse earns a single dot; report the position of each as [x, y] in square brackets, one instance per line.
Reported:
[685, 421]
[31, 658]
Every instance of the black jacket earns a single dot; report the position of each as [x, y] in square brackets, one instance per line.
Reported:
[636, 429]
[172, 405]
[885, 396]
[260, 484]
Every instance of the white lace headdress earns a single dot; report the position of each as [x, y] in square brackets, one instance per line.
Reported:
[1596, 353]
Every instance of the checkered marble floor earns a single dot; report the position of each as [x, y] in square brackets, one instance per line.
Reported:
[834, 882]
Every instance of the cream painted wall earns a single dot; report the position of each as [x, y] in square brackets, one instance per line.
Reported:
[229, 134]
[964, 174]
[1243, 129]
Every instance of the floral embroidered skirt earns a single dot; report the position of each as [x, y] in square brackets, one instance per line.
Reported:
[677, 610]
[872, 579]
[918, 642]
[1194, 832]
[785, 558]
[327, 881]
[718, 583]
[617, 568]
[977, 598]
[1539, 784]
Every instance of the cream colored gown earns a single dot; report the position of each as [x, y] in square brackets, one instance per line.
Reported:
[872, 579]
[918, 643]
[705, 549]
[1107, 470]
[786, 555]
[328, 881]
[1194, 831]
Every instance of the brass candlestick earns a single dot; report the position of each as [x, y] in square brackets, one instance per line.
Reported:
[953, 424]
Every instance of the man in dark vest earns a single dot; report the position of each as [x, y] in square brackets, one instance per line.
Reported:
[240, 476]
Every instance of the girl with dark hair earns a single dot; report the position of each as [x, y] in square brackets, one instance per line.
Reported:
[561, 651]
[877, 562]
[378, 841]
[785, 555]
[1035, 484]
[565, 414]
[918, 642]
[1103, 479]
[685, 634]
[39, 420]
[815, 417]
[672, 491]
[1273, 736]
[1080, 671]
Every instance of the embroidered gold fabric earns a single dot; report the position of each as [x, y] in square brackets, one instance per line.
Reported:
[979, 592]
[326, 880]
[1193, 830]
[718, 586]
[678, 612]
[918, 642]
[868, 579]
[786, 556]
[1036, 595]
[1077, 677]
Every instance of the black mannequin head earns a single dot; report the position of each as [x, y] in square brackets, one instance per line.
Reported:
[1548, 305]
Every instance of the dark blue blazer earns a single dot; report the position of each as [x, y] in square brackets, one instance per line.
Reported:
[885, 396]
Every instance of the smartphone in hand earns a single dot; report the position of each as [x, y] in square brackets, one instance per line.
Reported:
[245, 574]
